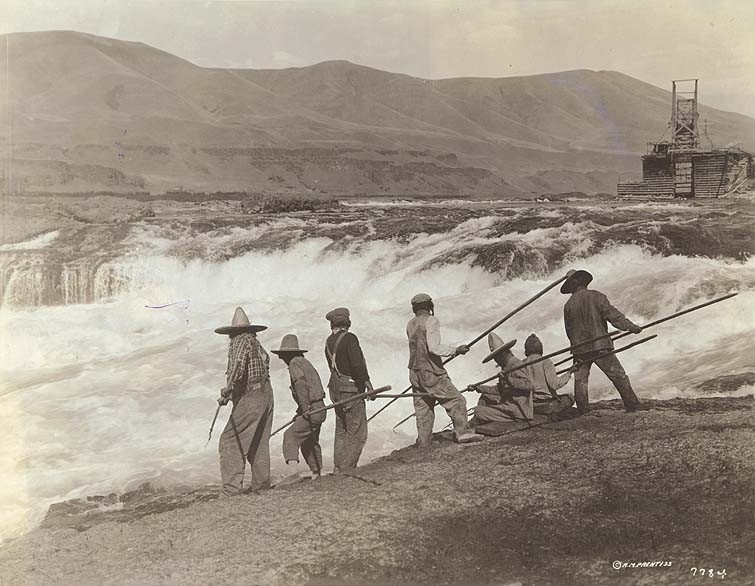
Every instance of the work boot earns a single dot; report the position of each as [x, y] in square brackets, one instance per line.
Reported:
[467, 436]
[636, 407]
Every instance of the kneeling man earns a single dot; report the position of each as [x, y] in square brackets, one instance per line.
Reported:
[511, 398]
[547, 382]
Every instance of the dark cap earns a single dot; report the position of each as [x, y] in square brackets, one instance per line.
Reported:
[337, 315]
[421, 298]
[533, 345]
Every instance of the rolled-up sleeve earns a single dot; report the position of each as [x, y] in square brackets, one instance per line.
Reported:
[554, 381]
[434, 344]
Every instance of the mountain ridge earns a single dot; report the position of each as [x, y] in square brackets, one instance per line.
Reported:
[144, 119]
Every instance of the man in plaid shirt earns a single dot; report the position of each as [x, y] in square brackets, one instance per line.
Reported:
[247, 434]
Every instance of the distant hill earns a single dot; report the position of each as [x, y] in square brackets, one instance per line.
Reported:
[89, 113]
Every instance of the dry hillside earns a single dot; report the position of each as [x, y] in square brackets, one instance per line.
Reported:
[91, 113]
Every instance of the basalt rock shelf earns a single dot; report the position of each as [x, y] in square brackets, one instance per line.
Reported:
[94, 243]
[556, 504]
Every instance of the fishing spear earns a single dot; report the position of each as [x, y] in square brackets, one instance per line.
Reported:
[481, 336]
[604, 354]
[214, 419]
[614, 335]
[618, 334]
[336, 404]
[592, 359]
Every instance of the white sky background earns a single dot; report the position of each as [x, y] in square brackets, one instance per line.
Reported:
[655, 41]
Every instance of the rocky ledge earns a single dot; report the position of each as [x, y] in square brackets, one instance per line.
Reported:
[672, 488]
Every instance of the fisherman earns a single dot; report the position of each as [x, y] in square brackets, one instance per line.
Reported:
[348, 377]
[511, 398]
[427, 375]
[585, 316]
[307, 391]
[547, 382]
[247, 434]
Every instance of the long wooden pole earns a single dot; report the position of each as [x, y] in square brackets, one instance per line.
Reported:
[615, 351]
[614, 335]
[400, 395]
[483, 334]
[505, 372]
[618, 334]
[212, 425]
[336, 404]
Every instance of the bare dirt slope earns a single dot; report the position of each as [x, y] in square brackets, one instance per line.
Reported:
[556, 504]
[89, 113]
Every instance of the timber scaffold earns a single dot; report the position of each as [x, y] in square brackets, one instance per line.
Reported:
[680, 167]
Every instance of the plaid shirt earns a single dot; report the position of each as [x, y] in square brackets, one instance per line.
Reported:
[248, 363]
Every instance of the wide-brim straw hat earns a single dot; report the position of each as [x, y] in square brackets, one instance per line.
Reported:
[290, 344]
[496, 345]
[239, 324]
[574, 278]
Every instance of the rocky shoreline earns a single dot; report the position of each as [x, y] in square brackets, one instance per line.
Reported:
[555, 504]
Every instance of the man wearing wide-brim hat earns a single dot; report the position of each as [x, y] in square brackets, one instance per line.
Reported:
[306, 388]
[428, 376]
[247, 434]
[586, 316]
[511, 398]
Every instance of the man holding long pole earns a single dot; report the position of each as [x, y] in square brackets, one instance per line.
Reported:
[307, 391]
[480, 337]
[348, 379]
[427, 375]
[586, 314]
[247, 434]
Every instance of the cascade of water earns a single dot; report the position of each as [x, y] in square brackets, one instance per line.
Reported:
[129, 390]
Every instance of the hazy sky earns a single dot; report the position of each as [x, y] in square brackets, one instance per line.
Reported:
[655, 41]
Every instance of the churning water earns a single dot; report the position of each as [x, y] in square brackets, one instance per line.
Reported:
[101, 390]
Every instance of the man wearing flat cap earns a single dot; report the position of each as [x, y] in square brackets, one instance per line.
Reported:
[586, 314]
[511, 398]
[427, 374]
[306, 387]
[247, 434]
[348, 377]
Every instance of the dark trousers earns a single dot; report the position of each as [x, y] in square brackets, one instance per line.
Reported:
[612, 368]
[556, 405]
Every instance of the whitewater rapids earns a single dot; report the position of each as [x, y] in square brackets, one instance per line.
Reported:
[101, 393]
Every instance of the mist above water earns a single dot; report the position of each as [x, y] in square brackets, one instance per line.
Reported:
[106, 392]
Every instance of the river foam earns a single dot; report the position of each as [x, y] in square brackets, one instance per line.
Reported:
[99, 397]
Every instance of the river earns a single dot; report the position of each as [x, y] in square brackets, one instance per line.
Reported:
[110, 366]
